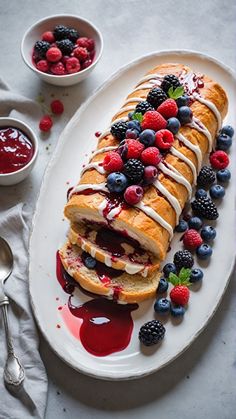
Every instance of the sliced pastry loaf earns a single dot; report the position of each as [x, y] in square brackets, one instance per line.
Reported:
[102, 280]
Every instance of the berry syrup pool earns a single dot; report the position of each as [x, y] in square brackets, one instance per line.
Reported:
[104, 327]
[16, 150]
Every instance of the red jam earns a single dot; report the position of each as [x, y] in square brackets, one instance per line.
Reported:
[16, 150]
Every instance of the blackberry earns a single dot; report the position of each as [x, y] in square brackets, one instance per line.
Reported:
[206, 176]
[183, 259]
[119, 130]
[143, 107]
[205, 207]
[151, 332]
[66, 46]
[73, 35]
[170, 81]
[156, 96]
[134, 170]
[40, 48]
[61, 32]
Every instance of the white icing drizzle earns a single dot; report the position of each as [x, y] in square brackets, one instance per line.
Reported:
[199, 126]
[155, 216]
[123, 119]
[144, 86]
[102, 206]
[182, 157]
[211, 106]
[145, 272]
[125, 109]
[103, 150]
[133, 99]
[195, 148]
[171, 198]
[113, 213]
[153, 76]
[94, 165]
[104, 134]
[174, 174]
[93, 186]
[108, 261]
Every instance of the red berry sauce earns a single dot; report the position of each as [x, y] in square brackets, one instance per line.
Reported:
[16, 150]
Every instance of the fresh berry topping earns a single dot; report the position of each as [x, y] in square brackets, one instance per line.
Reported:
[81, 53]
[162, 306]
[182, 101]
[86, 64]
[156, 96]
[131, 134]
[73, 34]
[72, 65]
[208, 233]
[147, 137]
[192, 239]
[42, 65]
[170, 80]
[134, 125]
[151, 333]
[169, 268]
[223, 142]
[204, 251]
[168, 109]
[201, 193]
[219, 160]
[45, 123]
[195, 223]
[183, 259]
[117, 182]
[206, 176]
[58, 69]
[66, 46]
[112, 162]
[61, 32]
[48, 37]
[177, 311]
[153, 120]
[150, 174]
[57, 107]
[182, 226]
[204, 207]
[164, 139]
[217, 192]
[228, 130]
[134, 149]
[133, 194]
[88, 260]
[180, 295]
[134, 169]
[196, 275]
[151, 156]
[162, 286]
[53, 55]
[173, 125]
[143, 107]
[40, 49]
[223, 175]
[119, 130]
[86, 43]
[185, 115]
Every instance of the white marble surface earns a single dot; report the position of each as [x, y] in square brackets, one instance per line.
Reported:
[201, 383]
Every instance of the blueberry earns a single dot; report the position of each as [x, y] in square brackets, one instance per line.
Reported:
[163, 286]
[130, 115]
[217, 192]
[204, 251]
[223, 175]
[208, 233]
[117, 182]
[195, 223]
[173, 125]
[147, 137]
[182, 226]
[185, 115]
[132, 134]
[162, 305]
[182, 101]
[177, 311]
[168, 268]
[223, 142]
[90, 262]
[196, 275]
[134, 125]
[201, 193]
[228, 130]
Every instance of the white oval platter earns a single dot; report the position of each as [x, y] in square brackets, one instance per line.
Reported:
[49, 231]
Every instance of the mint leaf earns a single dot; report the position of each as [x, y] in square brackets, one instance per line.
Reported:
[170, 91]
[137, 116]
[184, 274]
[173, 279]
[176, 93]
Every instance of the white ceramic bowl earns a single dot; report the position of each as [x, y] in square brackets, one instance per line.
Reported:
[84, 27]
[7, 179]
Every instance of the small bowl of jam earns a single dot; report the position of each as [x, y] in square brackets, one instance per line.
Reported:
[18, 151]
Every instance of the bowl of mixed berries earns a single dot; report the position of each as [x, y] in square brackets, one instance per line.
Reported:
[62, 49]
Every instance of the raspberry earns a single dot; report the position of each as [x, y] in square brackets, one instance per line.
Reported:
[151, 156]
[86, 64]
[45, 123]
[133, 194]
[57, 107]
[168, 109]
[72, 65]
[81, 53]
[153, 120]
[192, 239]
[219, 160]
[58, 69]
[87, 43]
[53, 55]
[48, 37]
[42, 65]
[164, 139]
[134, 149]
[112, 162]
[180, 295]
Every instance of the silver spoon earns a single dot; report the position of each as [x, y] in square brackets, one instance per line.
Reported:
[14, 373]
